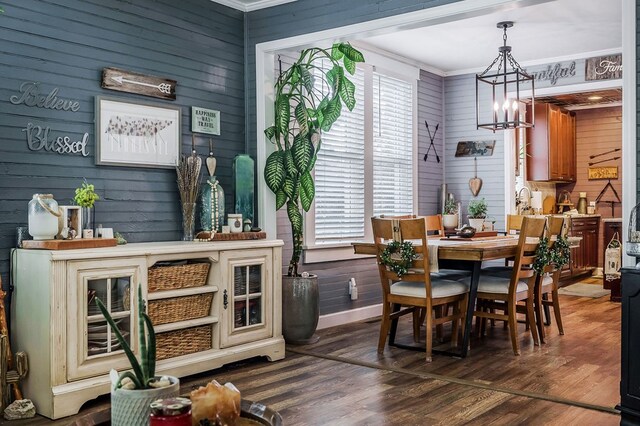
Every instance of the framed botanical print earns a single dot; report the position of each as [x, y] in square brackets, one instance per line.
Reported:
[136, 134]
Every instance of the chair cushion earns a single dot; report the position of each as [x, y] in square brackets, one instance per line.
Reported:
[451, 274]
[498, 271]
[547, 279]
[439, 288]
[500, 285]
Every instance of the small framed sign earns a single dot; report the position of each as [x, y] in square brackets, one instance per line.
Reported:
[603, 173]
[205, 121]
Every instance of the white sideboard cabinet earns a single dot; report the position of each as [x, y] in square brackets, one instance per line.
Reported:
[211, 303]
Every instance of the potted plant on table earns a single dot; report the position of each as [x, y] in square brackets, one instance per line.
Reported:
[477, 213]
[85, 197]
[450, 214]
[303, 110]
[133, 391]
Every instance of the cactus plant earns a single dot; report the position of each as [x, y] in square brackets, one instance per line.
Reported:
[144, 370]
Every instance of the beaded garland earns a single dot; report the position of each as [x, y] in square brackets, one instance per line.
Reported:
[215, 207]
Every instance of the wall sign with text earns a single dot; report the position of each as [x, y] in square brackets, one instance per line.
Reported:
[603, 68]
[205, 121]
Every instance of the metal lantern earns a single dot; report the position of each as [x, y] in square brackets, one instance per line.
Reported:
[633, 245]
[498, 89]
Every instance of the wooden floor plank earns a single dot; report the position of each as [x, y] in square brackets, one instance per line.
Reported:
[342, 380]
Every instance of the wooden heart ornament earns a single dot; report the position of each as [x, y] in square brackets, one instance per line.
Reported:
[475, 184]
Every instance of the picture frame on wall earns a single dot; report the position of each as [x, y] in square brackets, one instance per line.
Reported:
[130, 133]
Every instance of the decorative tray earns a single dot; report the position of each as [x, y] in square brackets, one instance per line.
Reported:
[78, 243]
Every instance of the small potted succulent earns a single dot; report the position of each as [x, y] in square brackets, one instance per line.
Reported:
[450, 214]
[477, 213]
[133, 391]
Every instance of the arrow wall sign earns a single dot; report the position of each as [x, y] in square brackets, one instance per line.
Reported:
[132, 82]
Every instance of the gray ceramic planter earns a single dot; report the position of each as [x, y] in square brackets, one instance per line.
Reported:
[131, 407]
[300, 309]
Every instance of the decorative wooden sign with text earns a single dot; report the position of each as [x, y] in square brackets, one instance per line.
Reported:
[205, 121]
[475, 148]
[603, 173]
[603, 68]
[132, 82]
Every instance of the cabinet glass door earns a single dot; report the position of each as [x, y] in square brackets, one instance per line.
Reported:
[115, 294]
[246, 297]
[93, 347]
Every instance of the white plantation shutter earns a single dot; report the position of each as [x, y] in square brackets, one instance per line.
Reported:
[339, 173]
[392, 146]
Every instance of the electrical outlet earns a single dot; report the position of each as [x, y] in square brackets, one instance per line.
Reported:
[353, 289]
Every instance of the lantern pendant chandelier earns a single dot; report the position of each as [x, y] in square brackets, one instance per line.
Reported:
[498, 101]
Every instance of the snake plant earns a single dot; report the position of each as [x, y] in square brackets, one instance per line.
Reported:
[145, 369]
[303, 110]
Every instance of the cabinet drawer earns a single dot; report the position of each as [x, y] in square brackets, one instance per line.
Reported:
[584, 223]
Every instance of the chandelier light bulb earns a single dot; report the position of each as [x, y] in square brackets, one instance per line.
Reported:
[505, 105]
[496, 106]
[515, 106]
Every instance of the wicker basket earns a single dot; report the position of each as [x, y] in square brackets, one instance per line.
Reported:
[182, 342]
[178, 276]
[164, 311]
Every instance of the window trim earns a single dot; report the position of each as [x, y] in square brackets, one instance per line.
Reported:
[342, 250]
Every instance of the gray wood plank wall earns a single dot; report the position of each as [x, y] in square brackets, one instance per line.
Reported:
[65, 44]
[460, 121]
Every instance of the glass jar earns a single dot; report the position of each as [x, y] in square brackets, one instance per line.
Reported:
[43, 217]
[170, 412]
[212, 206]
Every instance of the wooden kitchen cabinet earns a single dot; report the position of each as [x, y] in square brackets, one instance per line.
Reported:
[584, 258]
[71, 348]
[551, 145]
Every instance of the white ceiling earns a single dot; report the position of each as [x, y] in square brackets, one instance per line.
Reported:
[249, 5]
[549, 30]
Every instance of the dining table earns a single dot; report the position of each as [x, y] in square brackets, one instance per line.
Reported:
[461, 254]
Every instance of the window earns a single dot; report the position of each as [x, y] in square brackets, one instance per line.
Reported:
[365, 164]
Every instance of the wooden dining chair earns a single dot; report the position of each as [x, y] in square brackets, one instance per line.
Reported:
[547, 289]
[496, 293]
[514, 223]
[415, 290]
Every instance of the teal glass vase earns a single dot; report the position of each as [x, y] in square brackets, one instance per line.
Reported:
[212, 205]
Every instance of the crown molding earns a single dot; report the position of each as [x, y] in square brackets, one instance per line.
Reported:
[543, 61]
[262, 4]
[394, 56]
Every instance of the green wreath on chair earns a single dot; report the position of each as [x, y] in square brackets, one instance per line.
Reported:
[557, 254]
[401, 263]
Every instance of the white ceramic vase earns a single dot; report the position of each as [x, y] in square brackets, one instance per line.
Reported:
[476, 223]
[131, 407]
[450, 221]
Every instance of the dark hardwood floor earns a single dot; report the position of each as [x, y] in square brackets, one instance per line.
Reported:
[342, 380]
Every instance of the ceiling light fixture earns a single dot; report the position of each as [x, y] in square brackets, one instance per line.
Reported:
[498, 92]
[594, 98]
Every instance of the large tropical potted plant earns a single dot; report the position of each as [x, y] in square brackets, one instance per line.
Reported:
[133, 391]
[303, 110]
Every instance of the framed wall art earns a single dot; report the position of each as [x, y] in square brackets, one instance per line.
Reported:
[131, 133]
